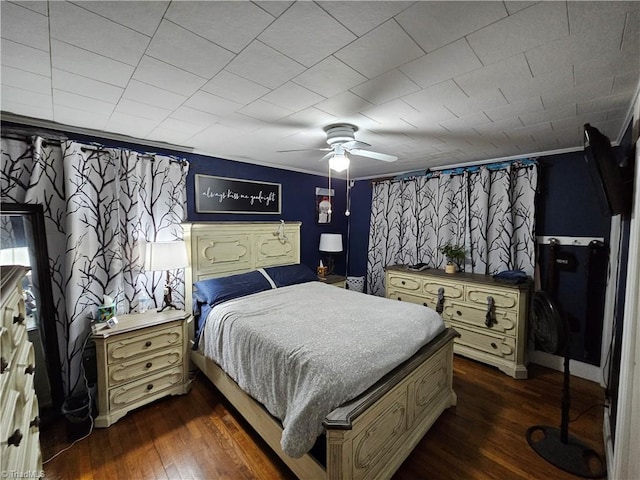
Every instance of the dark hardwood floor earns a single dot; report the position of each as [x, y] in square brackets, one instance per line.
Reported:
[200, 436]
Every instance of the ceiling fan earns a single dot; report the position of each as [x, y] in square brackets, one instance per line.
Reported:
[342, 141]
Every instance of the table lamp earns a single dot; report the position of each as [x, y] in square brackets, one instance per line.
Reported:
[166, 256]
[330, 244]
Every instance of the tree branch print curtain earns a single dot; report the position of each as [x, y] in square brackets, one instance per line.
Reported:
[101, 205]
[489, 211]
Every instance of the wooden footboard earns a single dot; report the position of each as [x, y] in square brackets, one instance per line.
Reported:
[369, 437]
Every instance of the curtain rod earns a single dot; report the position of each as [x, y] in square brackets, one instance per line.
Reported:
[151, 156]
[17, 134]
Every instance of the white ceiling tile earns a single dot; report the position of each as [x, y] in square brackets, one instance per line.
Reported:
[612, 102]
[623, 83]
[493, 128]
[264, 111]
[390, 111]
[79, 102]
[466, 122]
[344, 103]
[580, 93]
[211, 20]
[505, 72]
[329, 77]
[437, 95]
[606, 67]
[40, 111]
[40, 6]
[274, 7]
[76, 60]
[24, 26]
[560, 79]
[81, 118]
[549, 115]
[142, 110]
[26, 80]
[310, 117]
[445, 63]
[514, 109]
[180, 47]
[144, 93]
[306, 33]
[429, 116]
[87, 87]
[77, 26]
[363, 16]
[162, 75]
[25, 58]
[26, 97]
[130, 125]
[386, 87]
[264, 65]
[587, 17]
[528, 28]
[193, 116]
[513, 7]
[435, 24]
[162, 134]
[380, 50]
[142, 16]
[233, 87]
[292, 97]
[484, 101]
[212, 104]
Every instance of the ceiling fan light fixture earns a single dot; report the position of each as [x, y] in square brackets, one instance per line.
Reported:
[339, 162]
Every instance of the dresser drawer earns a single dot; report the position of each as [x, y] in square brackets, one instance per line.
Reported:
[144, 343]
[411, 298]
[147, 365]
[504, 321]
[141, 390]
[432, 288]
[484, 341]
[477, 294]
[406, 283]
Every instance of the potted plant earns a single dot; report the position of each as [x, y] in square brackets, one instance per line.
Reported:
[455, 256]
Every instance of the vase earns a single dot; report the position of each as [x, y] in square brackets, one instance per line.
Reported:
[450, 268]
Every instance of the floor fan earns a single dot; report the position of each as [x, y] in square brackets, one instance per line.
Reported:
[550, 331]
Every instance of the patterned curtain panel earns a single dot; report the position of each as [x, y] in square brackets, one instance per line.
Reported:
[490, 212]
[100, 207]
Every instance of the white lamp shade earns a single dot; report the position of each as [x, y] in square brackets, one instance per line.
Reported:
[330, 242]
[165, 256]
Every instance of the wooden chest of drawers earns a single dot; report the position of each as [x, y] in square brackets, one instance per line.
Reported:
[143, 358]
[20, 455]
[489, 315]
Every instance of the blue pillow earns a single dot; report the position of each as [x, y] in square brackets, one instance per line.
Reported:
[291, 274]
[217, 290]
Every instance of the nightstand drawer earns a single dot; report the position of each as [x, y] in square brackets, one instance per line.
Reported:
[142, 390]
[144, 343]
[149, 364]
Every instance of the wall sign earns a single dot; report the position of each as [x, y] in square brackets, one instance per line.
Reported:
[232, 195]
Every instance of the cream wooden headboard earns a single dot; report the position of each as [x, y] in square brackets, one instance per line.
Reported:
[217, 249]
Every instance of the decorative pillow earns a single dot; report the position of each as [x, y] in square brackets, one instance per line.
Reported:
[291, 274]
[217, 290]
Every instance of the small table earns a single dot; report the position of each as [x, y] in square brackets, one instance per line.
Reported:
[335, 280]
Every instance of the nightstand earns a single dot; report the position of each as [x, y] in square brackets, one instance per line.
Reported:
[141, 359]
[335, 280]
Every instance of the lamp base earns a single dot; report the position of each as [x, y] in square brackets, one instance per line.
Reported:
[167, 302]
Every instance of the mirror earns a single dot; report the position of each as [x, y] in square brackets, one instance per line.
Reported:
[23, 242]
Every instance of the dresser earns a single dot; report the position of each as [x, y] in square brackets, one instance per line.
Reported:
[489, 315]
[141, 359]
[20, 455]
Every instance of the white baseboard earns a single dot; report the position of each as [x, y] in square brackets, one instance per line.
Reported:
[578, 369]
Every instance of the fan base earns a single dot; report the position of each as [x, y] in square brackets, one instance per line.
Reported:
[572, 457]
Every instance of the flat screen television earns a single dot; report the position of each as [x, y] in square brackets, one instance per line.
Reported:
[613, 182]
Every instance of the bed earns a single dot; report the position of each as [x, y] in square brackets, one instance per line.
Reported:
[367, 437]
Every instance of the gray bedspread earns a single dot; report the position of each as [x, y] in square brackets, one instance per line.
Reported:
[305, 349]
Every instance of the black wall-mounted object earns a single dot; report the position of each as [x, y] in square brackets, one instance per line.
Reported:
[613, 181]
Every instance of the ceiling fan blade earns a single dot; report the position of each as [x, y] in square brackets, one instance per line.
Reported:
[307, 150]
[328, 155]
[376, 155]
[354, 144]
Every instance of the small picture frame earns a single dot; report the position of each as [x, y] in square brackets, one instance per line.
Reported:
[324, 204]
[106, 313]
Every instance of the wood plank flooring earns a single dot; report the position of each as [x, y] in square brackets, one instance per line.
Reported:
[199, 436]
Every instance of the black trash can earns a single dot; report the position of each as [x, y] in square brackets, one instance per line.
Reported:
[77, 410]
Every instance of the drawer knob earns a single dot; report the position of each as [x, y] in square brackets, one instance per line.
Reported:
[494, 345]
[18, 318]
[150, 386]
[459, 313]
[3, 364]
[425, 304]
[148, 365]
[35, 422]
[399, 299]
[30, 369]
[147, 343]
[403, 282]
[15, 438]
